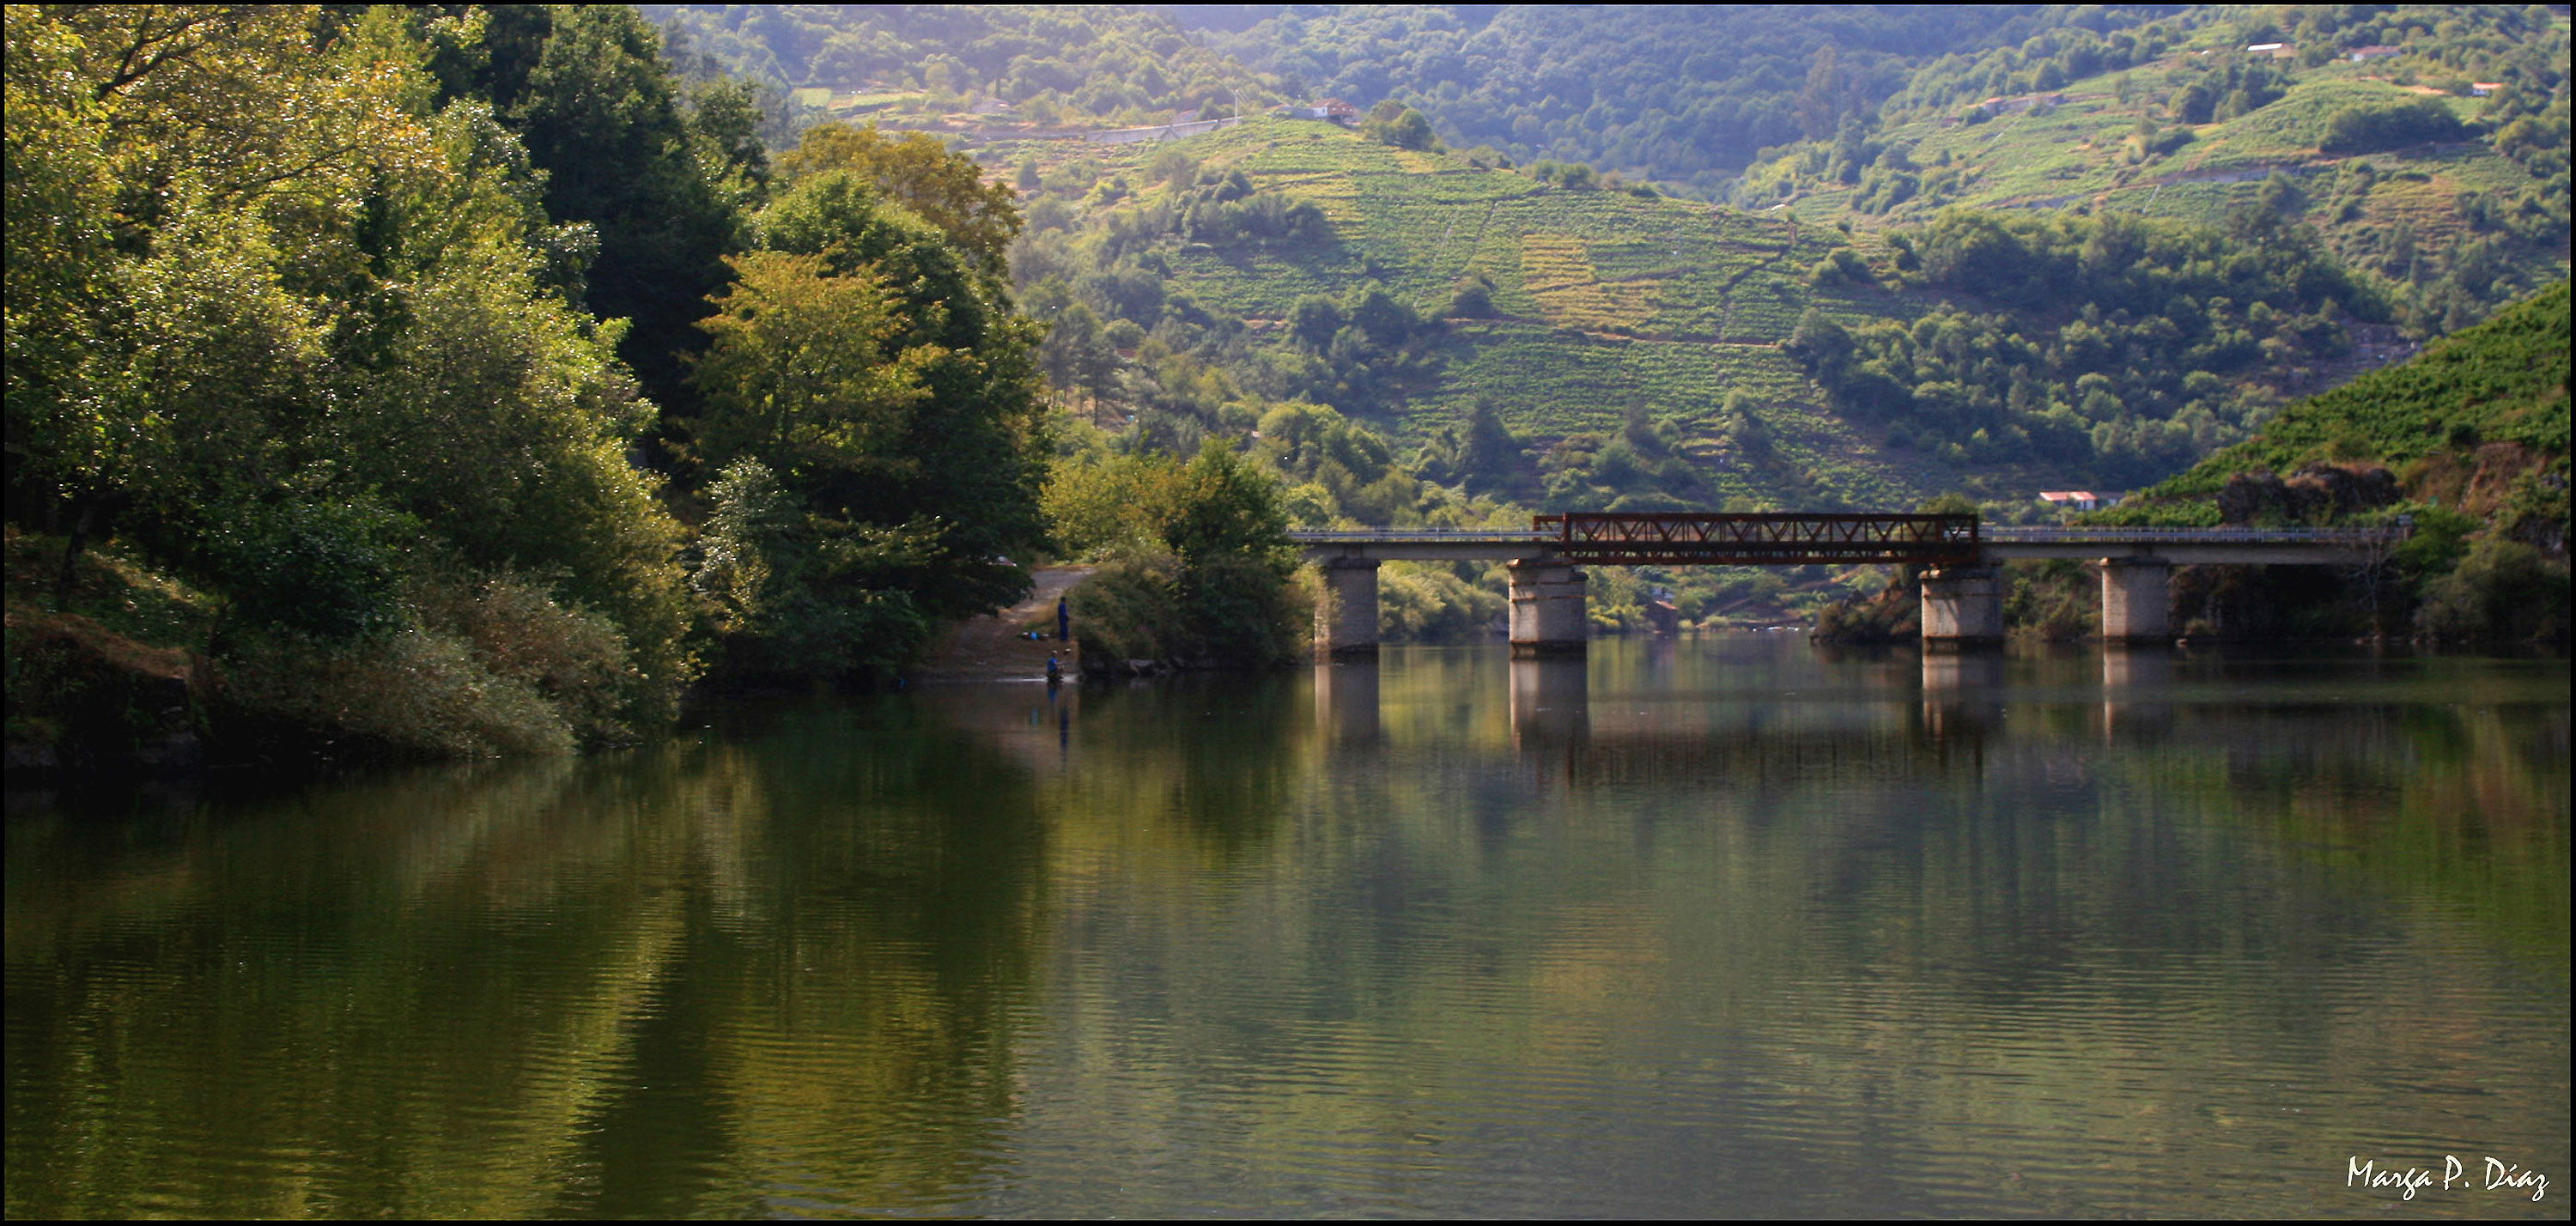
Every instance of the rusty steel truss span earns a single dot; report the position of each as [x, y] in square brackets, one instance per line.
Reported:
[1681, 539]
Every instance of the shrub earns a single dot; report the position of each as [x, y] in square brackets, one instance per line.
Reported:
[2363, 129]
[1474, 300]
[2503, 590]
[576, 659]
[323, 569]
[1199, 567]
[1126, 610]
[410, 693]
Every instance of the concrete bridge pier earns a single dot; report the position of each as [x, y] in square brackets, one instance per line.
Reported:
[1963, 604]
[1346, 619]
[1547, 609]
[2137, 599]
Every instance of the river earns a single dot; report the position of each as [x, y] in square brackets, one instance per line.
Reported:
[1729, 926]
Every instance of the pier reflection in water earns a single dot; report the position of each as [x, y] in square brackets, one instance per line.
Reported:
[1551, 704]
[1963, 689]
[2136, 684]
[1726, 926]
[1346, 701]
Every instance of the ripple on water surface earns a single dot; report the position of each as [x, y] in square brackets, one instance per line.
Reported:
[1722, 927]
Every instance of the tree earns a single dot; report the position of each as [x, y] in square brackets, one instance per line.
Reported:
[1196, 558]
[804, 370]
[875, 368]
[1400, 126]
[602, 116]
[301, 343]
[1314, 320]
[919, 173]
[1490, 452]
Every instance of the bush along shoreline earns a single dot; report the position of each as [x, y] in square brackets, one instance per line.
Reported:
[1194, 567]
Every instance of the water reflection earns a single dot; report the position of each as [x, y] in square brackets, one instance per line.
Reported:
[530, 990]
[1715, 927]
[1551, 705]
[2136, 681]
[1346, 702]
[1963, 691]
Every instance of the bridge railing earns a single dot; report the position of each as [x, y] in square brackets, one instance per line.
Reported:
[2056, 534]
[1682, 538]
[1411, 536]
[1603, 538]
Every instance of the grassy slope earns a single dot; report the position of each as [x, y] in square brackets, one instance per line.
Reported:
[2075, 153]
[2503, 381]
[1604, 299]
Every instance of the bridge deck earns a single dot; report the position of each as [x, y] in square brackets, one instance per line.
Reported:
[1726, 540]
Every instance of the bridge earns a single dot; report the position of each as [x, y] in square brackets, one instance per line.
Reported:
[1962, 590]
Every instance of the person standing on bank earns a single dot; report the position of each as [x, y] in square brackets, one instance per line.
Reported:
[1063, 621]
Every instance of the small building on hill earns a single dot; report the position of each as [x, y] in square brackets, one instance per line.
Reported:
[1333, 109]
[2374, 52]
[2072, 500]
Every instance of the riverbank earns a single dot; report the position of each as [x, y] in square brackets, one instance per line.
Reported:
[998, 645]
[125, 679]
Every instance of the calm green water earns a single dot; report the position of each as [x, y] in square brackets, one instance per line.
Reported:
[1723, 927]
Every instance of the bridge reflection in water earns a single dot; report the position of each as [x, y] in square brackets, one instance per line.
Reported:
[1963, 698]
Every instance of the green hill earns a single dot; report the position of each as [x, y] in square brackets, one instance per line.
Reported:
[1790, 363]
[2493, 394]
[1600, 301]
[2467, 444]
[2428, 145]
[2309, 213]
[2173, 234]
[1682, 94]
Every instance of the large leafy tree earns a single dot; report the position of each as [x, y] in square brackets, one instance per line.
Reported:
[871, 366]
[979, 215]
[285, 321]
[663, 184]
[164, 203]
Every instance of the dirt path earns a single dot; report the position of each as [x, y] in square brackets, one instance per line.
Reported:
[997, 646]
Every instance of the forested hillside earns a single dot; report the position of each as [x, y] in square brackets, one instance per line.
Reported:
[2426, 145]
[1682, 94]
[2495, 392]
[2466, 445]
[1749, 356]
[968, 67]
[1932, 363]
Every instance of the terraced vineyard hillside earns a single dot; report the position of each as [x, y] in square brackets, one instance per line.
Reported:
[2454, 190]
[2072, 146]
[1601, 300]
